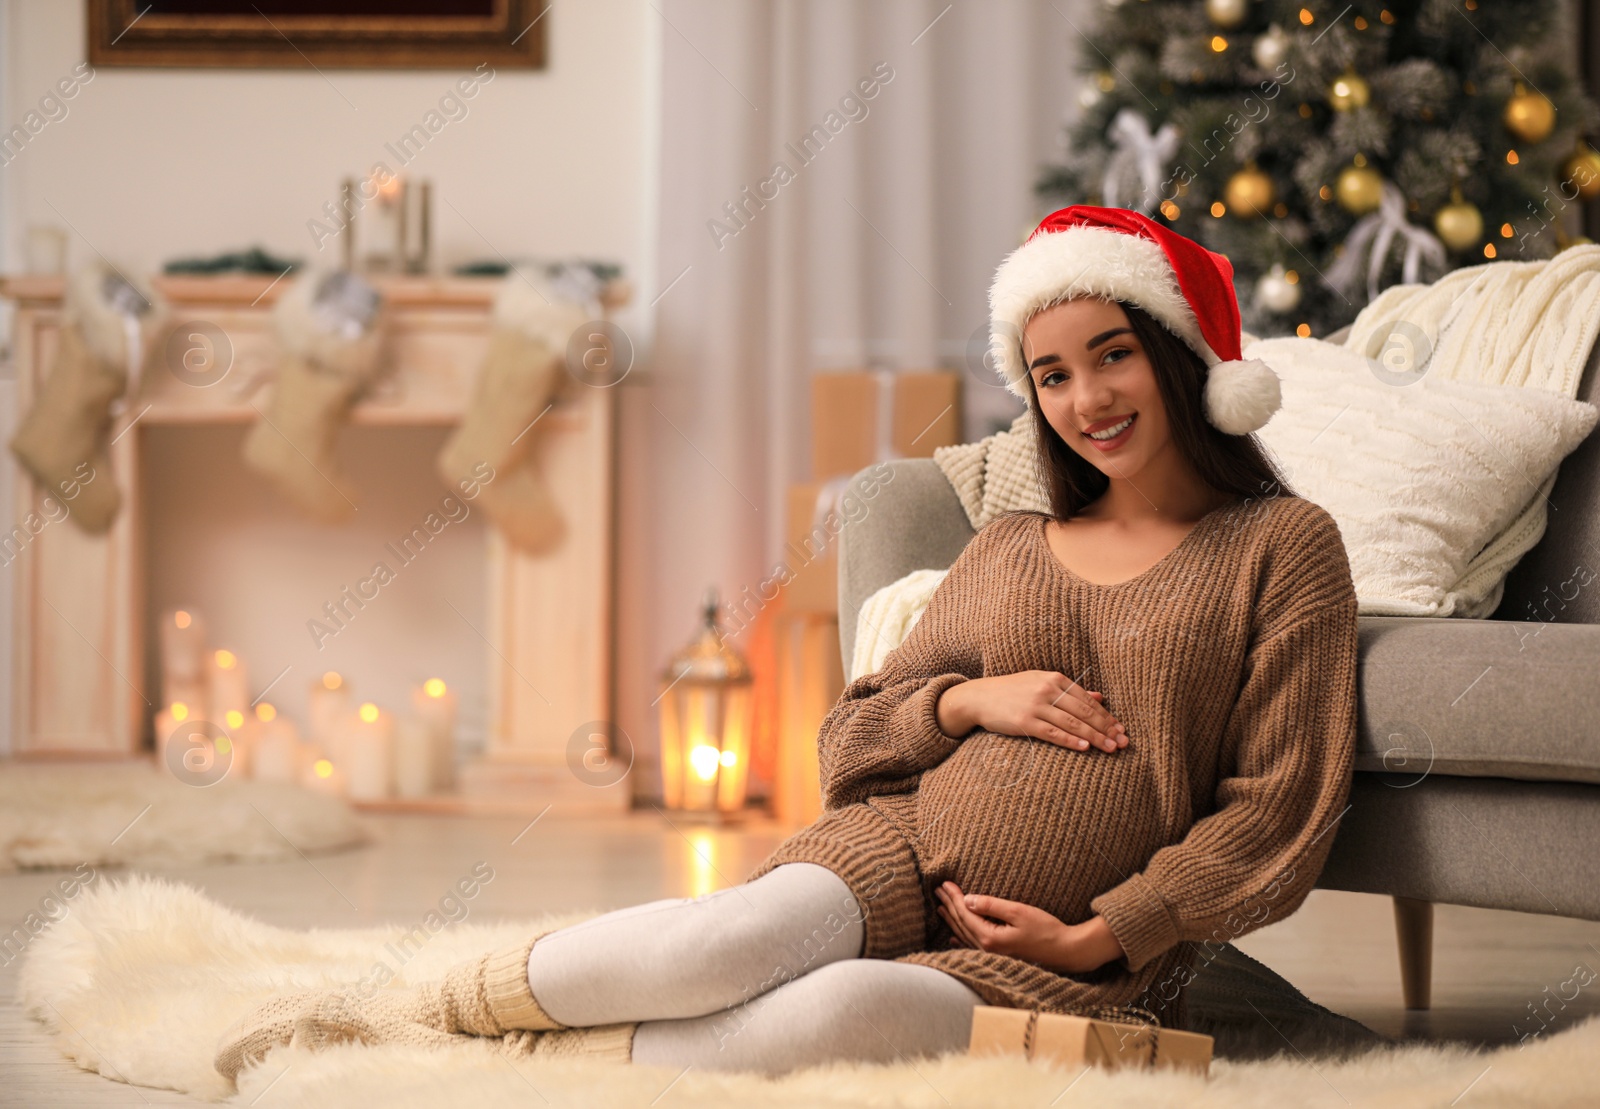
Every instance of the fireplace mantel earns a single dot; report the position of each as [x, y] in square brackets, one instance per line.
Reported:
[79, 617]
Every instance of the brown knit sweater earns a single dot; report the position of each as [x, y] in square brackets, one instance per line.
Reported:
[1232, 665]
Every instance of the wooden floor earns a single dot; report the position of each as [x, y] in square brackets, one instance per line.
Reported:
[1489, 967]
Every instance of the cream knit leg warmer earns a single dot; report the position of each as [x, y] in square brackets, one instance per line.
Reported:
[485, 996]
[612, 1042]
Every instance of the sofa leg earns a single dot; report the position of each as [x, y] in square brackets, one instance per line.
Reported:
[1413, 926]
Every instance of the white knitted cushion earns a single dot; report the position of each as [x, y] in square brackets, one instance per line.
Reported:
[1438, 487]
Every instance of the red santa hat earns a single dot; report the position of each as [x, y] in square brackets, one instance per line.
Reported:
[1121, 255]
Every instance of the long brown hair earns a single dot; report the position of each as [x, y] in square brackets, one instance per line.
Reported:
[1234, 464]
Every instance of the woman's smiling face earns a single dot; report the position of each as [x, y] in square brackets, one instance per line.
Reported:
[1091, 373]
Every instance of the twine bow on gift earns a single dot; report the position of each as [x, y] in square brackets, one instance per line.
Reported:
[1377, 230]
[1112, 1014]
[832, 491]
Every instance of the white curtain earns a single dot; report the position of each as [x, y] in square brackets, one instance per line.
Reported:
[872, 245]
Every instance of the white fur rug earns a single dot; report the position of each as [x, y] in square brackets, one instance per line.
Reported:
[136, 814]
[142, 977]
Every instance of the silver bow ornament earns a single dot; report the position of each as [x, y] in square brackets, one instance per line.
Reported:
[1137, 154]
[1375, 232]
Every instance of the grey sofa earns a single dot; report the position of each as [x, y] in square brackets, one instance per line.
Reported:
[1478, 771]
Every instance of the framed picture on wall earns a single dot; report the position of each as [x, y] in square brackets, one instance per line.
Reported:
[322, 34]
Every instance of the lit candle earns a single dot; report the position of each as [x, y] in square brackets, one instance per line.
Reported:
[183, 658]
[381, 234]
[329, 713]
[241, 738]
[230, 688]
[170, 736]
[702, 753]
[700, 785]
[369, 754]
[414, 756]
[323, 776]
[276, 753]
[435, 703]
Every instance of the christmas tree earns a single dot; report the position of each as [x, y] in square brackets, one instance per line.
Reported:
[1313, 142]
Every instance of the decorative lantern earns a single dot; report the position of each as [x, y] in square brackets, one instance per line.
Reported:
[707, 714]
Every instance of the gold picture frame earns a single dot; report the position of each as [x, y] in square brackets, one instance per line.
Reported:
[321, 34]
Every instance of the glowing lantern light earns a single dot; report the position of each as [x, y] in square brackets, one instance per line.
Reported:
[707, 715]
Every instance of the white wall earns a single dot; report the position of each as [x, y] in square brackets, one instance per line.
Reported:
[149, 165]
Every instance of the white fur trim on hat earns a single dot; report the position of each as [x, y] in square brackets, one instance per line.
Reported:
[1240, 397]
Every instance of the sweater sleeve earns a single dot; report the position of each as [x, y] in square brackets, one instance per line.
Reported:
[883, 732]
[1287, 753]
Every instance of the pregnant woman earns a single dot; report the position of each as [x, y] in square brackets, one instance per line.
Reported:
[1120, 735]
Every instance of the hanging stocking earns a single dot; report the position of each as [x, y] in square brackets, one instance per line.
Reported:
[534, 319]
[106, 324]
[330, 333]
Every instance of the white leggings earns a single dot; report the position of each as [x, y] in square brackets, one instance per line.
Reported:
[765, 976]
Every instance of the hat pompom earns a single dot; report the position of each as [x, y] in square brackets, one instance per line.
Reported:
[1241, 396]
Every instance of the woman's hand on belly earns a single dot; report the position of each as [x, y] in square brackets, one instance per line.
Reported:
[1040, 704]
[1026, 932]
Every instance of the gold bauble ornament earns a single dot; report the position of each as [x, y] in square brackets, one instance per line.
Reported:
[1349, 91]
[1459, 224]
[1249, 193]
[1581, 172]
[1358, 189]
[1529, 115]
[1227, 13]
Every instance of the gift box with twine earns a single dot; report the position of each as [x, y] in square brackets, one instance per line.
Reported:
[1112, 1038]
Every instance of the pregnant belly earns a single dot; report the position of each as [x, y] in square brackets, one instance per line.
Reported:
[1033, 822]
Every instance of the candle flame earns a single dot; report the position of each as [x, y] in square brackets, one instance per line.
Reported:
[181, 618]
[433, 687]
[703, 760]
[180, 711]
[235, 718]
[266, 713]
[332, 680]
[369, 712]
[226, 660]
[322, 768]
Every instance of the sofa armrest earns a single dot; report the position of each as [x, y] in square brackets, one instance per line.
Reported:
[1479, 698]
[914, 521]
